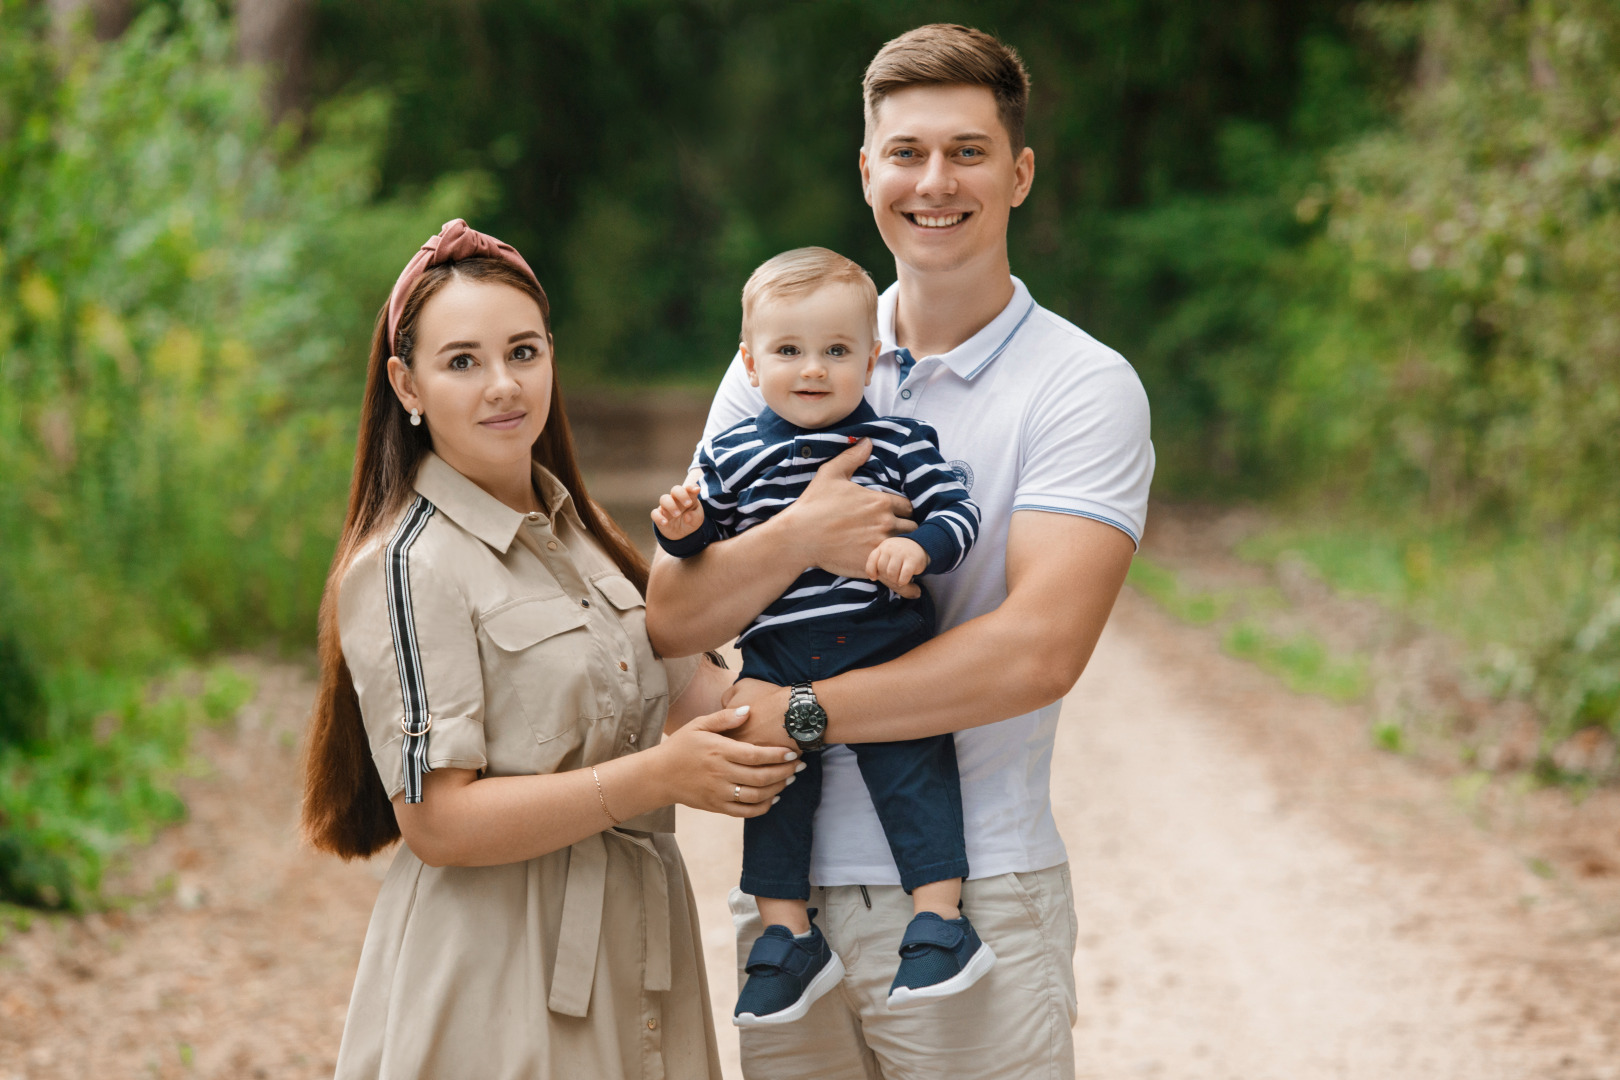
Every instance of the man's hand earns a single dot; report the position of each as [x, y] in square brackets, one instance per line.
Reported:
[680, 513]
[895, 562]
[767, 705]
[840, 522]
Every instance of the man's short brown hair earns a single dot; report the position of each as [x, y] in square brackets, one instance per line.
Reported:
[801, 272]
[946, 54]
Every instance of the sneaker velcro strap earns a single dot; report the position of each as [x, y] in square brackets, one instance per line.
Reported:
[932, 932]
[781, 953]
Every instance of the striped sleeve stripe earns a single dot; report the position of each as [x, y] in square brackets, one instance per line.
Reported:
[412, 685]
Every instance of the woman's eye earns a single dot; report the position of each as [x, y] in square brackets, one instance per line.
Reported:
[461, 362]
[525, 352]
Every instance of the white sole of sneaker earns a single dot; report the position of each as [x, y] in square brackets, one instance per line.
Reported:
[827, 978]
[906, 997]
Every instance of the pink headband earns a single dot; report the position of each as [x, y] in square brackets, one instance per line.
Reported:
[455, 242]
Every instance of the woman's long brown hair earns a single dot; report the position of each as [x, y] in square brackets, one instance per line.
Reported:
[346, 808]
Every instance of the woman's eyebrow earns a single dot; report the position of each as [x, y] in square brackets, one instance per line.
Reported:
[458, 345]
[515, 338]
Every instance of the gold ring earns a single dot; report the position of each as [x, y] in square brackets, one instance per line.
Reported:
[736, 792]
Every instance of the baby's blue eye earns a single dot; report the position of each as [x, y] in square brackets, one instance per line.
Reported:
[838, 350]
[789, 350]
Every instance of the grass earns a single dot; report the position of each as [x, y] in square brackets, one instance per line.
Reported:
[1299, 659]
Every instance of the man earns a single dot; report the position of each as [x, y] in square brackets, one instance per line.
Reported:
[1049, 430]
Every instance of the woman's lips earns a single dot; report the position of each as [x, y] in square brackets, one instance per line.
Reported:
[505, 422]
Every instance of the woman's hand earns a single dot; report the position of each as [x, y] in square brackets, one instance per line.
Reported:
[707, 769]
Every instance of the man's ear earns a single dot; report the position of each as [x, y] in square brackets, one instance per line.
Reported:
[871, 361]
[1023, 175]
[866, 178]
[404, 384]
[748, 364]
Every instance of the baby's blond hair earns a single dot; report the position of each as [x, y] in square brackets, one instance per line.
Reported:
[802, 271]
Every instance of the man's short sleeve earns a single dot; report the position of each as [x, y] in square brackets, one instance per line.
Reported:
[1087, 447]
[445, 644]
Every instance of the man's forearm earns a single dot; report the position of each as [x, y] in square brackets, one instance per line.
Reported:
[988, 669]
[705, 601]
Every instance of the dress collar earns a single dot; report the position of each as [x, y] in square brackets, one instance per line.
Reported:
[976, 353]
[479, 512]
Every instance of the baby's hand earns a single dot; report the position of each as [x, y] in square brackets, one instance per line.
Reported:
[679, 513]
[895, 562]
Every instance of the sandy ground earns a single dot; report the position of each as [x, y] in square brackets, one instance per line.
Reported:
[1261, 895]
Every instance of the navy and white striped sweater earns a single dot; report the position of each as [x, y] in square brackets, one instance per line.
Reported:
[754, 469]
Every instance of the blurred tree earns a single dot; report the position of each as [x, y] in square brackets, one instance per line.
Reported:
[649, 153]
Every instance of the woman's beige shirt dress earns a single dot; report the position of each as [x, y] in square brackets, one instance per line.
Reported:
[532, 649]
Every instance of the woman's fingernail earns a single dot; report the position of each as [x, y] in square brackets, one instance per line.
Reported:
[801, 766]
[775, 799]
[742, 710]
[789, 756]
[790, 780]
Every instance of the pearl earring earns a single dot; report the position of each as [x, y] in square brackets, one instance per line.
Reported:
[416, 418]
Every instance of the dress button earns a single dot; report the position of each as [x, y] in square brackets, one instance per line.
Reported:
[906, 394]
[532, 516]
[633, 738]
[623, 666]
[806, 452]
[652, 1025]
[584, 602]
[551, 545]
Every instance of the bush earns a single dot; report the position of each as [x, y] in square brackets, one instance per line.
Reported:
[186, 293]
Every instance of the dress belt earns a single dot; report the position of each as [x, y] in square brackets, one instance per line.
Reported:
[583, 900]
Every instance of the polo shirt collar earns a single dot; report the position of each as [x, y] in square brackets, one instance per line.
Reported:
[479, 512]
[977, 352]
[773, 428]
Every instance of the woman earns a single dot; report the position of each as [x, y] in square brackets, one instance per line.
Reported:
[488, 692]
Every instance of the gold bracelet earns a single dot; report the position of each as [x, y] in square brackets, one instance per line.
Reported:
[603, 798]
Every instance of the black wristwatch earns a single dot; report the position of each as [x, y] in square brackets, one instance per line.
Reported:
[805, 719]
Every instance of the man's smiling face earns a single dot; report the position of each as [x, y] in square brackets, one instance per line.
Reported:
[942, 177]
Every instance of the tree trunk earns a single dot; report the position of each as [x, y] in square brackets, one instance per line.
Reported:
[275, 34]
[108, 18]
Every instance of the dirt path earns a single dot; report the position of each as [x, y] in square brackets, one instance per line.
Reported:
[1260, 896]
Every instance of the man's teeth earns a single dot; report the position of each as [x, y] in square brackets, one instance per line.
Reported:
[937, 222]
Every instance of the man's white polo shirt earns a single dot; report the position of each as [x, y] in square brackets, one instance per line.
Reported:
[1034, 415]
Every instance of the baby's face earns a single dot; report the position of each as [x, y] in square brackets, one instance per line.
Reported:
[812, 356]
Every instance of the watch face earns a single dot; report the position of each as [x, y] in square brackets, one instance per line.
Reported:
[804, 721]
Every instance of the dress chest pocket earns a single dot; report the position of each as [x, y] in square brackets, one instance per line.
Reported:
[546, 656]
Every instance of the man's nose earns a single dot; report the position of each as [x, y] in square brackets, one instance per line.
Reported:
[937, 180]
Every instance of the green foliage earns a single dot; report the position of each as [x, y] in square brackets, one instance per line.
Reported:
[1476, 355]
[186, 292]
[650, 153]
[1165, 588]
[98, 779]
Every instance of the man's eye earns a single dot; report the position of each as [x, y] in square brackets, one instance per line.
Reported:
[461, 362]
[971, 152]
[905, 154]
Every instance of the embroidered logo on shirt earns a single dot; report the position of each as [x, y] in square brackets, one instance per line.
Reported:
[963, 473]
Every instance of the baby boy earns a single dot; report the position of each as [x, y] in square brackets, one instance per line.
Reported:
[809, 343]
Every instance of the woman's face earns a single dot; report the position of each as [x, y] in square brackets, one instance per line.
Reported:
[481, 377]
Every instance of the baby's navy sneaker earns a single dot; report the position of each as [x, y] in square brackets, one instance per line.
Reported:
[938, 958]
[786, 975]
